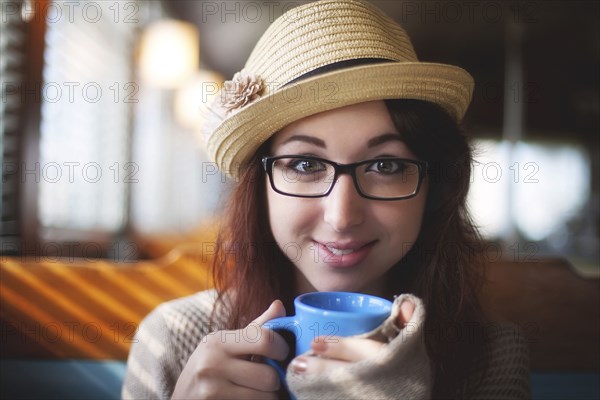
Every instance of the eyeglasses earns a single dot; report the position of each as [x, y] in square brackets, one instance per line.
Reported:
[377, 179]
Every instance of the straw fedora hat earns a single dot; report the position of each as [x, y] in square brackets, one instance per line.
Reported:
[317, 57]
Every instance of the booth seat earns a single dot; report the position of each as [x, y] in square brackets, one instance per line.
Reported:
[66, 325]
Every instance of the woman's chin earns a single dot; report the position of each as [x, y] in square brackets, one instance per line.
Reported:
[323, 287]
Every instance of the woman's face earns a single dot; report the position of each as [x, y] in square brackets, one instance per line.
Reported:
[344, 242]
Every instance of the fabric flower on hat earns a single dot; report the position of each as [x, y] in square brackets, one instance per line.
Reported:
[243, 89]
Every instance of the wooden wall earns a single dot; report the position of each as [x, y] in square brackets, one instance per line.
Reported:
[83, 309]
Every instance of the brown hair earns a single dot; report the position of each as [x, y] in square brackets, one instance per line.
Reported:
[444, 263]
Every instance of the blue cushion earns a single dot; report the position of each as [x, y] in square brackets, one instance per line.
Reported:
[61, 379]
[565, 385]
[85, 379]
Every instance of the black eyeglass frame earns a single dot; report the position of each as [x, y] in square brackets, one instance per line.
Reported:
[340, 169]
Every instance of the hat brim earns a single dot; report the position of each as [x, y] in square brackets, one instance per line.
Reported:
[238, 137]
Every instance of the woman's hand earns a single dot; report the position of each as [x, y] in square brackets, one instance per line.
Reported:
[222, 366]
[335, 352]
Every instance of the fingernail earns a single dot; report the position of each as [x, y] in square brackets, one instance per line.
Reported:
[407, 308]
[319, 346]
[299, 365]
[407, 303]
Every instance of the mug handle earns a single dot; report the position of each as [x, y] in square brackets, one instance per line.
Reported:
[289, 324]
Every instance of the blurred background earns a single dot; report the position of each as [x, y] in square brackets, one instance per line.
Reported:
[103, 164]
[100, 118]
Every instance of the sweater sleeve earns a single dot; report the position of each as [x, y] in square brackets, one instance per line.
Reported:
[400, 370]
[503, 371]
[152, 366]
[164, 342]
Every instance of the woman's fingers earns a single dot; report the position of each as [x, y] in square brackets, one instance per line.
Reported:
[223, 389]
[219, 367]
[354, 349]
[334, 352]
[275, 310]
[240, 393]
[254, 340]
[257, 376]
[348, 349]
[314, 365]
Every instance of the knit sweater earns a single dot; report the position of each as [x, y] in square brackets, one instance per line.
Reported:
[168, 336]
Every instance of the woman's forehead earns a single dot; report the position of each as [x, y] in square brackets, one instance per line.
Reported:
[359, 122]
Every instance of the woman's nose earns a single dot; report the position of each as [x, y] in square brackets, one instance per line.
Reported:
[344, 206]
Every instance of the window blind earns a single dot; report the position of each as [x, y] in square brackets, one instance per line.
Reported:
[12, 59]
[87, 97]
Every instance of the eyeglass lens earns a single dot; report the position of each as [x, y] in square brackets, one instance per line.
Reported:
[384, 178]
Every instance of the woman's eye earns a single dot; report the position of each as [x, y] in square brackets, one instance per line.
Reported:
[306, 166]
[386, 167]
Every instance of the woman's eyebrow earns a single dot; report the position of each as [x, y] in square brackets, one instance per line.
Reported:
[388, 137]
[376, 141]
[307, 139]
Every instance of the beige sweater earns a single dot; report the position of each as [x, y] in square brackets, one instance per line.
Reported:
[168, 336]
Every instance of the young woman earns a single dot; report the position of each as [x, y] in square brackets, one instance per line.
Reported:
[351, 175]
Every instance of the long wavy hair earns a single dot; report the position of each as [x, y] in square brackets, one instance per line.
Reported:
[443, 268]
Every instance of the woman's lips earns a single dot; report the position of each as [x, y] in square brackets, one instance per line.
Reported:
[343, 255]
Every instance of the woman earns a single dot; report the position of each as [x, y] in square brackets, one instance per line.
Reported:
[351, 175]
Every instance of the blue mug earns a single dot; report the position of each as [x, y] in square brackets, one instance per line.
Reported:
[329, 314]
